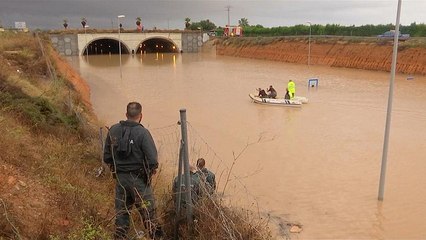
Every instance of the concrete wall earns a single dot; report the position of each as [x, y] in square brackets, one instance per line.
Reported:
[191, 42]
[65, 44]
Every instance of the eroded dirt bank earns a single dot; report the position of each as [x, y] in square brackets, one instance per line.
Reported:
[369, 55]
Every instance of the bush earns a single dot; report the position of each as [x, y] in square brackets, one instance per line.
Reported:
[37, 112]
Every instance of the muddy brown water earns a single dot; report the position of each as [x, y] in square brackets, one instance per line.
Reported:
[318, 165]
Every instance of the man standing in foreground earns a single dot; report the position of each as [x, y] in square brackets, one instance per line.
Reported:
[132, 156]
[291, 86]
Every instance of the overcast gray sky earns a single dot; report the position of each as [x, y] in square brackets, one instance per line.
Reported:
[49, 14]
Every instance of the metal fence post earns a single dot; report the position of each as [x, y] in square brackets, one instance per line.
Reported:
[179, 193]
[187, 178]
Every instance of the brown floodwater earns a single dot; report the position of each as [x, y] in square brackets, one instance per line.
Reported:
[317, 165]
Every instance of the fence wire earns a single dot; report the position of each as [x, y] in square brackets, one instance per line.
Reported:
[232, 194]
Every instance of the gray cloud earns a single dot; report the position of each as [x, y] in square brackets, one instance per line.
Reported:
[48, 14]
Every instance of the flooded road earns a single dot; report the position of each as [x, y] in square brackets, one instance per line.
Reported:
[318, 165]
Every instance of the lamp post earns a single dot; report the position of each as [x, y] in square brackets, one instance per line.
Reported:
[389, 109]
[119, 43]
[85, 37]
[309, 43]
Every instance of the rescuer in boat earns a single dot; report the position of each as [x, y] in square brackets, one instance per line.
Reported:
[287, 95]
[291, 86]
[272, 93]
[262, 93]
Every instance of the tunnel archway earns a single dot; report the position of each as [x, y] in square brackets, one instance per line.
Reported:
[157, 45]
[105, 46]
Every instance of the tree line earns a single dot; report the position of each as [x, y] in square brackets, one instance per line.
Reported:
[414, 29]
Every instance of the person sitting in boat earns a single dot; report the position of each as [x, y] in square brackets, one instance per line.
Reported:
[287, 94]
[262, 93]
[272, 93]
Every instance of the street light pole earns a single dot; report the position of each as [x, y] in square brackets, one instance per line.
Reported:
[309, 43]
[389, 111]
[119, 43]
[85, 37]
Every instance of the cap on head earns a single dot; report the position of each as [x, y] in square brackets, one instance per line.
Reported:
[134, 109]
[201, 163]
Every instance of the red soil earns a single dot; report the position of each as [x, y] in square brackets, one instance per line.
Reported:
[361, 55]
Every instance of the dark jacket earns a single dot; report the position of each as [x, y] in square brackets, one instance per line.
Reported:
[287, 95]
[133, 148]
[209, 178]
[195, 188]
[272, 92]
[262, 93]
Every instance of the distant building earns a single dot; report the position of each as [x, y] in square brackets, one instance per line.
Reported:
[233, 31]
[21, 26]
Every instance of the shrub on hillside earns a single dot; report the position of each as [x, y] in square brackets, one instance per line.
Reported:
[37, 112]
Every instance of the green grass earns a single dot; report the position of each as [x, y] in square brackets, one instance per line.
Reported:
[37, 112]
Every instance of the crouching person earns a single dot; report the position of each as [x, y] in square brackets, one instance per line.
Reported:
[182, 189]
[208, 179]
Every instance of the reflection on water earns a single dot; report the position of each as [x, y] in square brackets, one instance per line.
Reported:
[102, 61]
[114, 60]
[158, 58]
[321, 163]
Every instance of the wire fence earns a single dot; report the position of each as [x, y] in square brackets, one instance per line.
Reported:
[231, 192]
[74, 106]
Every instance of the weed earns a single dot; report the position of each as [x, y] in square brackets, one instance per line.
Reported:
[89, 231]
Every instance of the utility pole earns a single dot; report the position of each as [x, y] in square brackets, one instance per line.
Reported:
[229, 19]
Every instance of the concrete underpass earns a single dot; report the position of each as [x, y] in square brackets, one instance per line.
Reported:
[131, 43]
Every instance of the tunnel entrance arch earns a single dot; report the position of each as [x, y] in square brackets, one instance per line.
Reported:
[102, 46]
[157, 45]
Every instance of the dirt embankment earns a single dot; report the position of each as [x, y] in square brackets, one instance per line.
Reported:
[74, 78]
[48, 188]
[369, 54]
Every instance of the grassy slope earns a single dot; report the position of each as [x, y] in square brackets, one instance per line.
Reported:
[48, 187]
[48, 150]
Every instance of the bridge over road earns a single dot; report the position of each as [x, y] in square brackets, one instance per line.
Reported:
[108, 43]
